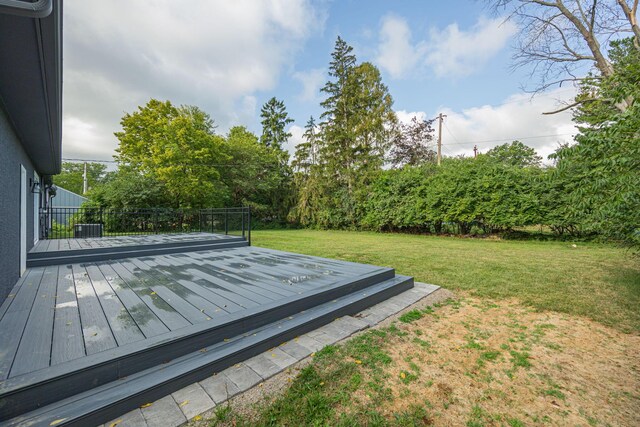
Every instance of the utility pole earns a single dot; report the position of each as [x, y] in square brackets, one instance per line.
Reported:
[440, 117]
[84, 179]
[475, 151]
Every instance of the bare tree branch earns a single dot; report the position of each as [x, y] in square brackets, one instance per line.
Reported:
[560, 38]
[568, 107]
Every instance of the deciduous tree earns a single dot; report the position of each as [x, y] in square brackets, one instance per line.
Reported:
[71, 176]
[177, 147]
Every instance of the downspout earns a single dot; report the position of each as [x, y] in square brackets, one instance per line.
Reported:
[39, 9]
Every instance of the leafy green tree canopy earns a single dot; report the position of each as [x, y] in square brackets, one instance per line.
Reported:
[71, 176]
[515, 154]
[177, 147]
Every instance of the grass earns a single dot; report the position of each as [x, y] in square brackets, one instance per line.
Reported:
[598, 281]
[387, 376]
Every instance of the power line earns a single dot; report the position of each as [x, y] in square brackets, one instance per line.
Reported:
[450, 133]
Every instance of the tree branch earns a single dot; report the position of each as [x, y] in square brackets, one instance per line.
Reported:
[631, 15]
[567, 107]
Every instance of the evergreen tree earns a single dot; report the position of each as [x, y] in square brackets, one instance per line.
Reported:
[305, 155]
[307, 175]
[274, 121]
[353, 135]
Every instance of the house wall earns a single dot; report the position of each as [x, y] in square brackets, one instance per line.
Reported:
[12, 155]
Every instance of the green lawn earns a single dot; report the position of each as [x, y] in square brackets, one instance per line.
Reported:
[599, 281]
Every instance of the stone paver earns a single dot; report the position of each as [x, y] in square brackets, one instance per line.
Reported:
[197, 398]
[263, 366]
[280, 358]
[219, 387]
[130, 419]
[308, 342]
[242, 376]
[295, 350]
[164, 412]
[193, 400]
[325, 339]
[350, 324]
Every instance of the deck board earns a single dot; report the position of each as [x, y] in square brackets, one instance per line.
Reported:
[35, 347]
[267, 288]
[145, 318]
[95, 327]
[124, 328]
[162, 271]
[244, 294]
[68, 342]
[15, 319]
[226, 291]
[177, 296]
[267, 278]
[167, 314]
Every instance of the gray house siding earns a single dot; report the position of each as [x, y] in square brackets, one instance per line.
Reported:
[12, 155]
[67, 199]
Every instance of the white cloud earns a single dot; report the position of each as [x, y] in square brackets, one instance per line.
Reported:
[297, 137]
[311, 81]
[215, 54]
[406, 116]
[448, 52]
[519, 117]
[396, 54]
[459, 53]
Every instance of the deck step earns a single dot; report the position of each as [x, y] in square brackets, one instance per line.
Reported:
[110, 400]
[27, 392]
[41, 259]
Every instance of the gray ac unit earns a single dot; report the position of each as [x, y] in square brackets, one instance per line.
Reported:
[83, 231]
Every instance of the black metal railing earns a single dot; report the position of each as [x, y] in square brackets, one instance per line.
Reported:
[69, 223]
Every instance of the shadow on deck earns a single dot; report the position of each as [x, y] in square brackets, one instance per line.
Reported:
[89, 335]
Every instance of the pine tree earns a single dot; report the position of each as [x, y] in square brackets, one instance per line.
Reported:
[353, 135]
[274, 121]
[305, 155]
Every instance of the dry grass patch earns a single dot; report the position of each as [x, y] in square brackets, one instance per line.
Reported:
[479, 362]
[473, 362]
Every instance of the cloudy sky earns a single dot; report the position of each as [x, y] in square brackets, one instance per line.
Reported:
[229, 57]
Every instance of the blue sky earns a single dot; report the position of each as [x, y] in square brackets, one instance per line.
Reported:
[230, 57]
[421, 89]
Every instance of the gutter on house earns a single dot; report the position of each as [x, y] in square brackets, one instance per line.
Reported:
[38, 9]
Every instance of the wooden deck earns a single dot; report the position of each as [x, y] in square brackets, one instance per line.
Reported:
[60, 313]
[75, 251]
[114, 332]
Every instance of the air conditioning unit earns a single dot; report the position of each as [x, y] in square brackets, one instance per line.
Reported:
[83, 231]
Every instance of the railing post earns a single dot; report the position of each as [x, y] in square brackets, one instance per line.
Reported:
[242, 221]
[226, 223]
[101, 223]
[155, 220]
[249, 224]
